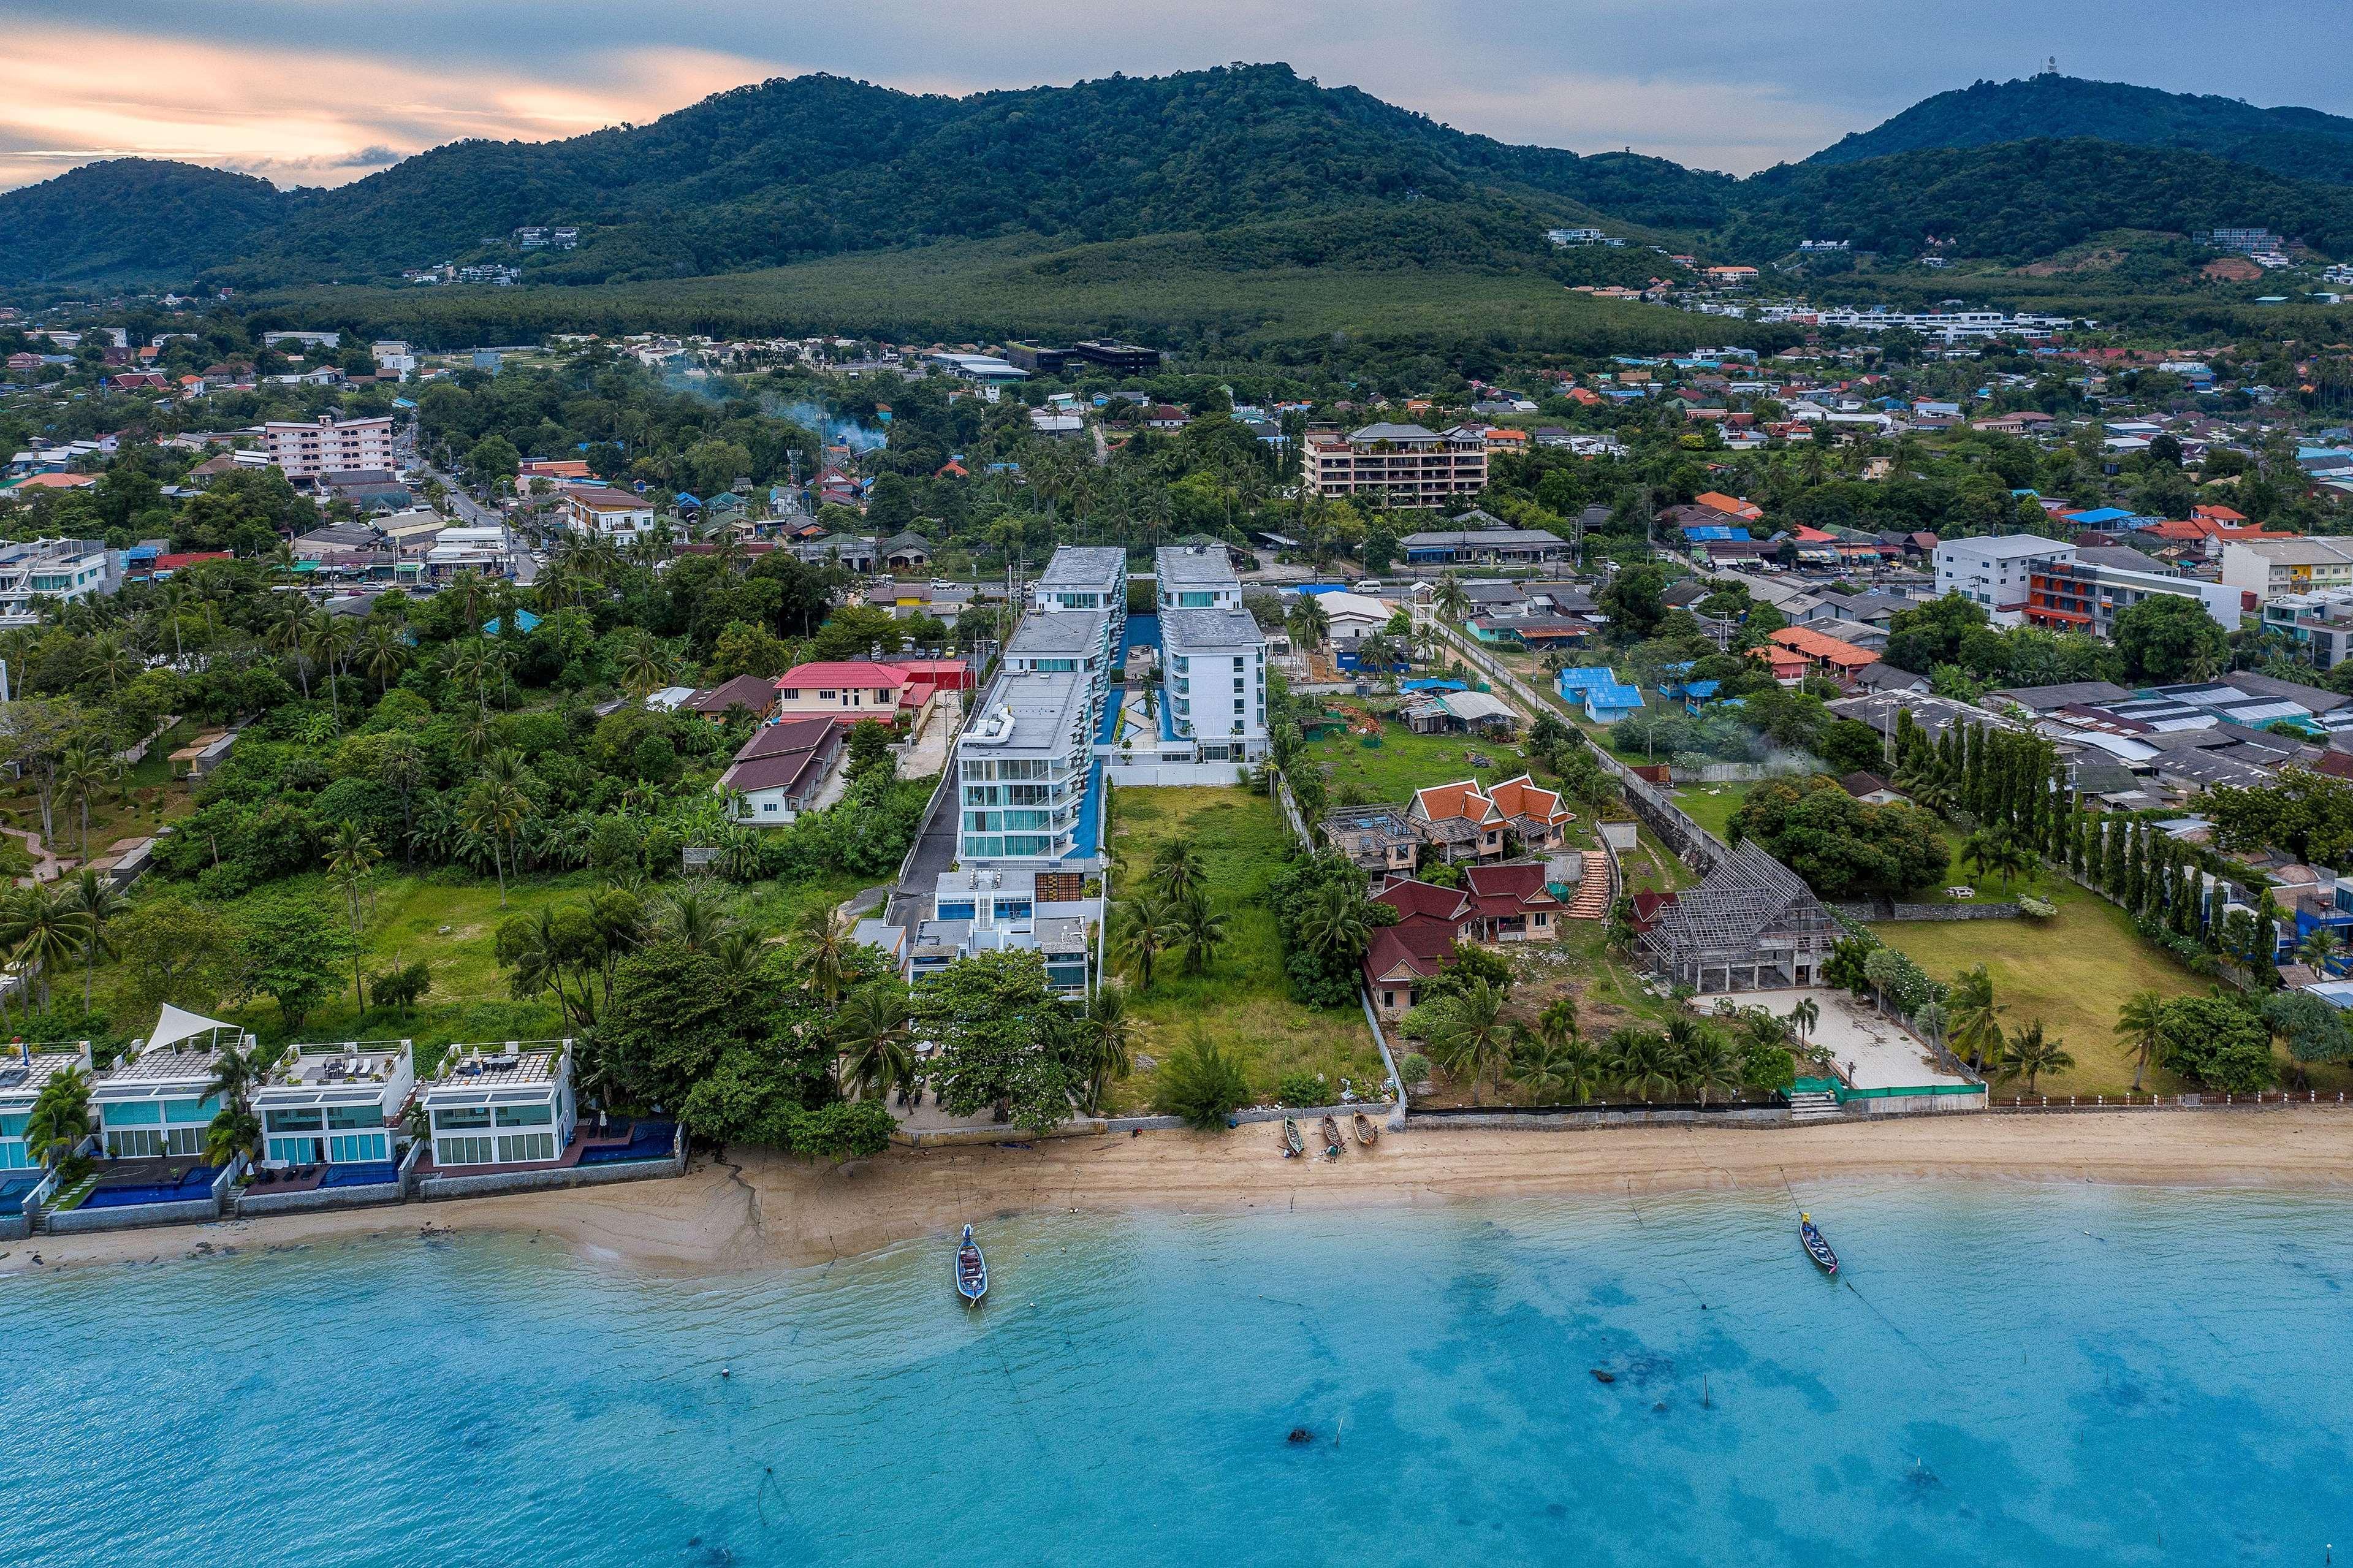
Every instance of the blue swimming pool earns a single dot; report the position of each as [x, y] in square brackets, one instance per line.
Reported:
[647, 1140]
[363, 1174]
[196, 1183]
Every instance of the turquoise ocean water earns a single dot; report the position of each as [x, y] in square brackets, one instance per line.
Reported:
[2019, 1375]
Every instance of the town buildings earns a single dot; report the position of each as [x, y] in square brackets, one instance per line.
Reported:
[1993, 572]
[615, 514]
[328, 445]
[1410, 466]
[2088, 590]
[2268, 569]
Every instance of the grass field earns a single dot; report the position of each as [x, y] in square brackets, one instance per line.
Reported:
[1712, 805]
[1242, 1004]
[450, 921]
[2072, 971]
[1404, 762]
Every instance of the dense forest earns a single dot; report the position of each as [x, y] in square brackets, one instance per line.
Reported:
[2302, 144]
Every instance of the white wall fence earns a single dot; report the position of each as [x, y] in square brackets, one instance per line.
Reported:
[1172, 775]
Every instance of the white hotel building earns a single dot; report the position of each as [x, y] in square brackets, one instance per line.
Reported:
[329, 445]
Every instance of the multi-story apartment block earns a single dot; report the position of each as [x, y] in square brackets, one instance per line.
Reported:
[616, 514]
[1410, 465]
[2088, 592]
[1213, 683]
[328, 445]
[1085, 577]
[65, 570]
[2270, 568]
[2320, 624]
[1993, 572]
[1025, 769]
[1073, 642]
[1195, 577]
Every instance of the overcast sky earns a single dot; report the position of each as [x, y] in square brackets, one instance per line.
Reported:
[321, 91]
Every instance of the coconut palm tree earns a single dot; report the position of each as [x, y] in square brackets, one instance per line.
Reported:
[497, 812]
[1976, 1026]
[287, 634]
[351, 855]
[1200, 931]
[1468, 1034]
[2030, 1054]
[1804, 1015]
[1637, 1060]
[82, 773]
[60, 1119]
[237, 1069]
[95, 895]
[1176, 871]
[642, 663]
[827, 931]
[1103, 1043]
[2140, 1024]
[877, 1053]
[1711, 1066]
[1309, 623]
[1450, 600]
[40, 927]
[696, 919]
[1148, 931]
[1335, 922]
[2319, 949]
[383, 652]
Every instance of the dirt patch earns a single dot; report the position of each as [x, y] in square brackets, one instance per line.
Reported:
[2231, 269]
[2104, 260]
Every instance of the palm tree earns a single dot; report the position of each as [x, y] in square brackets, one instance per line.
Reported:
[827, 932]
[235, 1129]
[1558, 1022]
[1176, 871]
[872, 1032]
[1805, 1015]
[2319, 949]
[287, 634]
[1711, 1065]
[1199, 932]
[1149, 931]
[1975, 1020]
[1309, 622]
[60, 1117]
[95, 895]
[1450, 600]
[383, 650]
[351, 855]
[1335, 922]
[1468, 1034]
[696, 920]
[1637, 1060]
[400, 768]
[2140, 1024]
[328, 637]
[41, 927]
[642, 663]
[110, 659]
[1995, 852]
[1104, 1042]
[2028, 1053]
[1556, 1068]
[80, 774]
[496, 811]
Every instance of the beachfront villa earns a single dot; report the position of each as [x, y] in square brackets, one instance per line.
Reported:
[509, 1106]
[152, 1103]
[336, 1106]
[22, 1078]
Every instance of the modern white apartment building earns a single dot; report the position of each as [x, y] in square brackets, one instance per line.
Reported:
[1195, 577]
[508, 1104]
[2270, 567]
[1085, 577]
[1213, 685]
[328, 445]
[1411, 465]
[65, 570]
[1075, 643]
[1995, 572]
[1024, 772]
[335, 1105]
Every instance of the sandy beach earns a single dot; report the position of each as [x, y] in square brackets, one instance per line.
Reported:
[764, 1210]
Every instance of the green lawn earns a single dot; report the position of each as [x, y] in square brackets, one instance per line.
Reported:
[1712, 805]
[2072, 971]
[1390, 773]
[1242, 1004]
[450, 921]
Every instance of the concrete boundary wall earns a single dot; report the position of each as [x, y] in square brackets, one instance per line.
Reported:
[131, 1217]
[1099, 1127]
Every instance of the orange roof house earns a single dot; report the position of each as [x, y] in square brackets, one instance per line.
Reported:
[1804, 649]
[2218, 514]
[1464, 821]
[1716, 501]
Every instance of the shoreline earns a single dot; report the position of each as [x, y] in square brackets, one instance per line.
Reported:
[755, 1209]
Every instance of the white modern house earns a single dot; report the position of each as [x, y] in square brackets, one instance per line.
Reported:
[1004, 909]
[335, 1105]
[1084, 577]
[1024, 764]
[505, 1105]
[23, 1076]
[617, 514]
[1994, 572]
[66, 571]
[1212, 686]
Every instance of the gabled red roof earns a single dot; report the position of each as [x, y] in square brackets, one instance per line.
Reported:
[1441, 802]
[1520, 798]
[1425, 900]
[1421, 949]
[843, 672]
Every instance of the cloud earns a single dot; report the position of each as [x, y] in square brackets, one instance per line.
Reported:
[225, 83]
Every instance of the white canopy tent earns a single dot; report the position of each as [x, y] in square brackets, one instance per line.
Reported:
[176, 1026]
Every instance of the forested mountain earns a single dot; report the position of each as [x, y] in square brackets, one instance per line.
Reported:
[2302, 144]
[136, 218]
[1269, 169]
[2018, 200]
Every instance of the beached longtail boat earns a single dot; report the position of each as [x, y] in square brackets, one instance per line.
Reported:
[1293, 1143]
[971, 1270]
[1816, 1248]
[1368, 1133]
[1333, 1146]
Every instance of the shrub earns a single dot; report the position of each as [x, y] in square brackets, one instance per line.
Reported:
[2216, 1042]
[1202, 1084]
[1301, 1089]
[1414, 1068]
[2035, 908]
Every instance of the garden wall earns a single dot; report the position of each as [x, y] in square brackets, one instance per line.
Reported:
[433, 1189]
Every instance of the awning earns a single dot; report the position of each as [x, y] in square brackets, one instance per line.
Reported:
[175, 1025]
